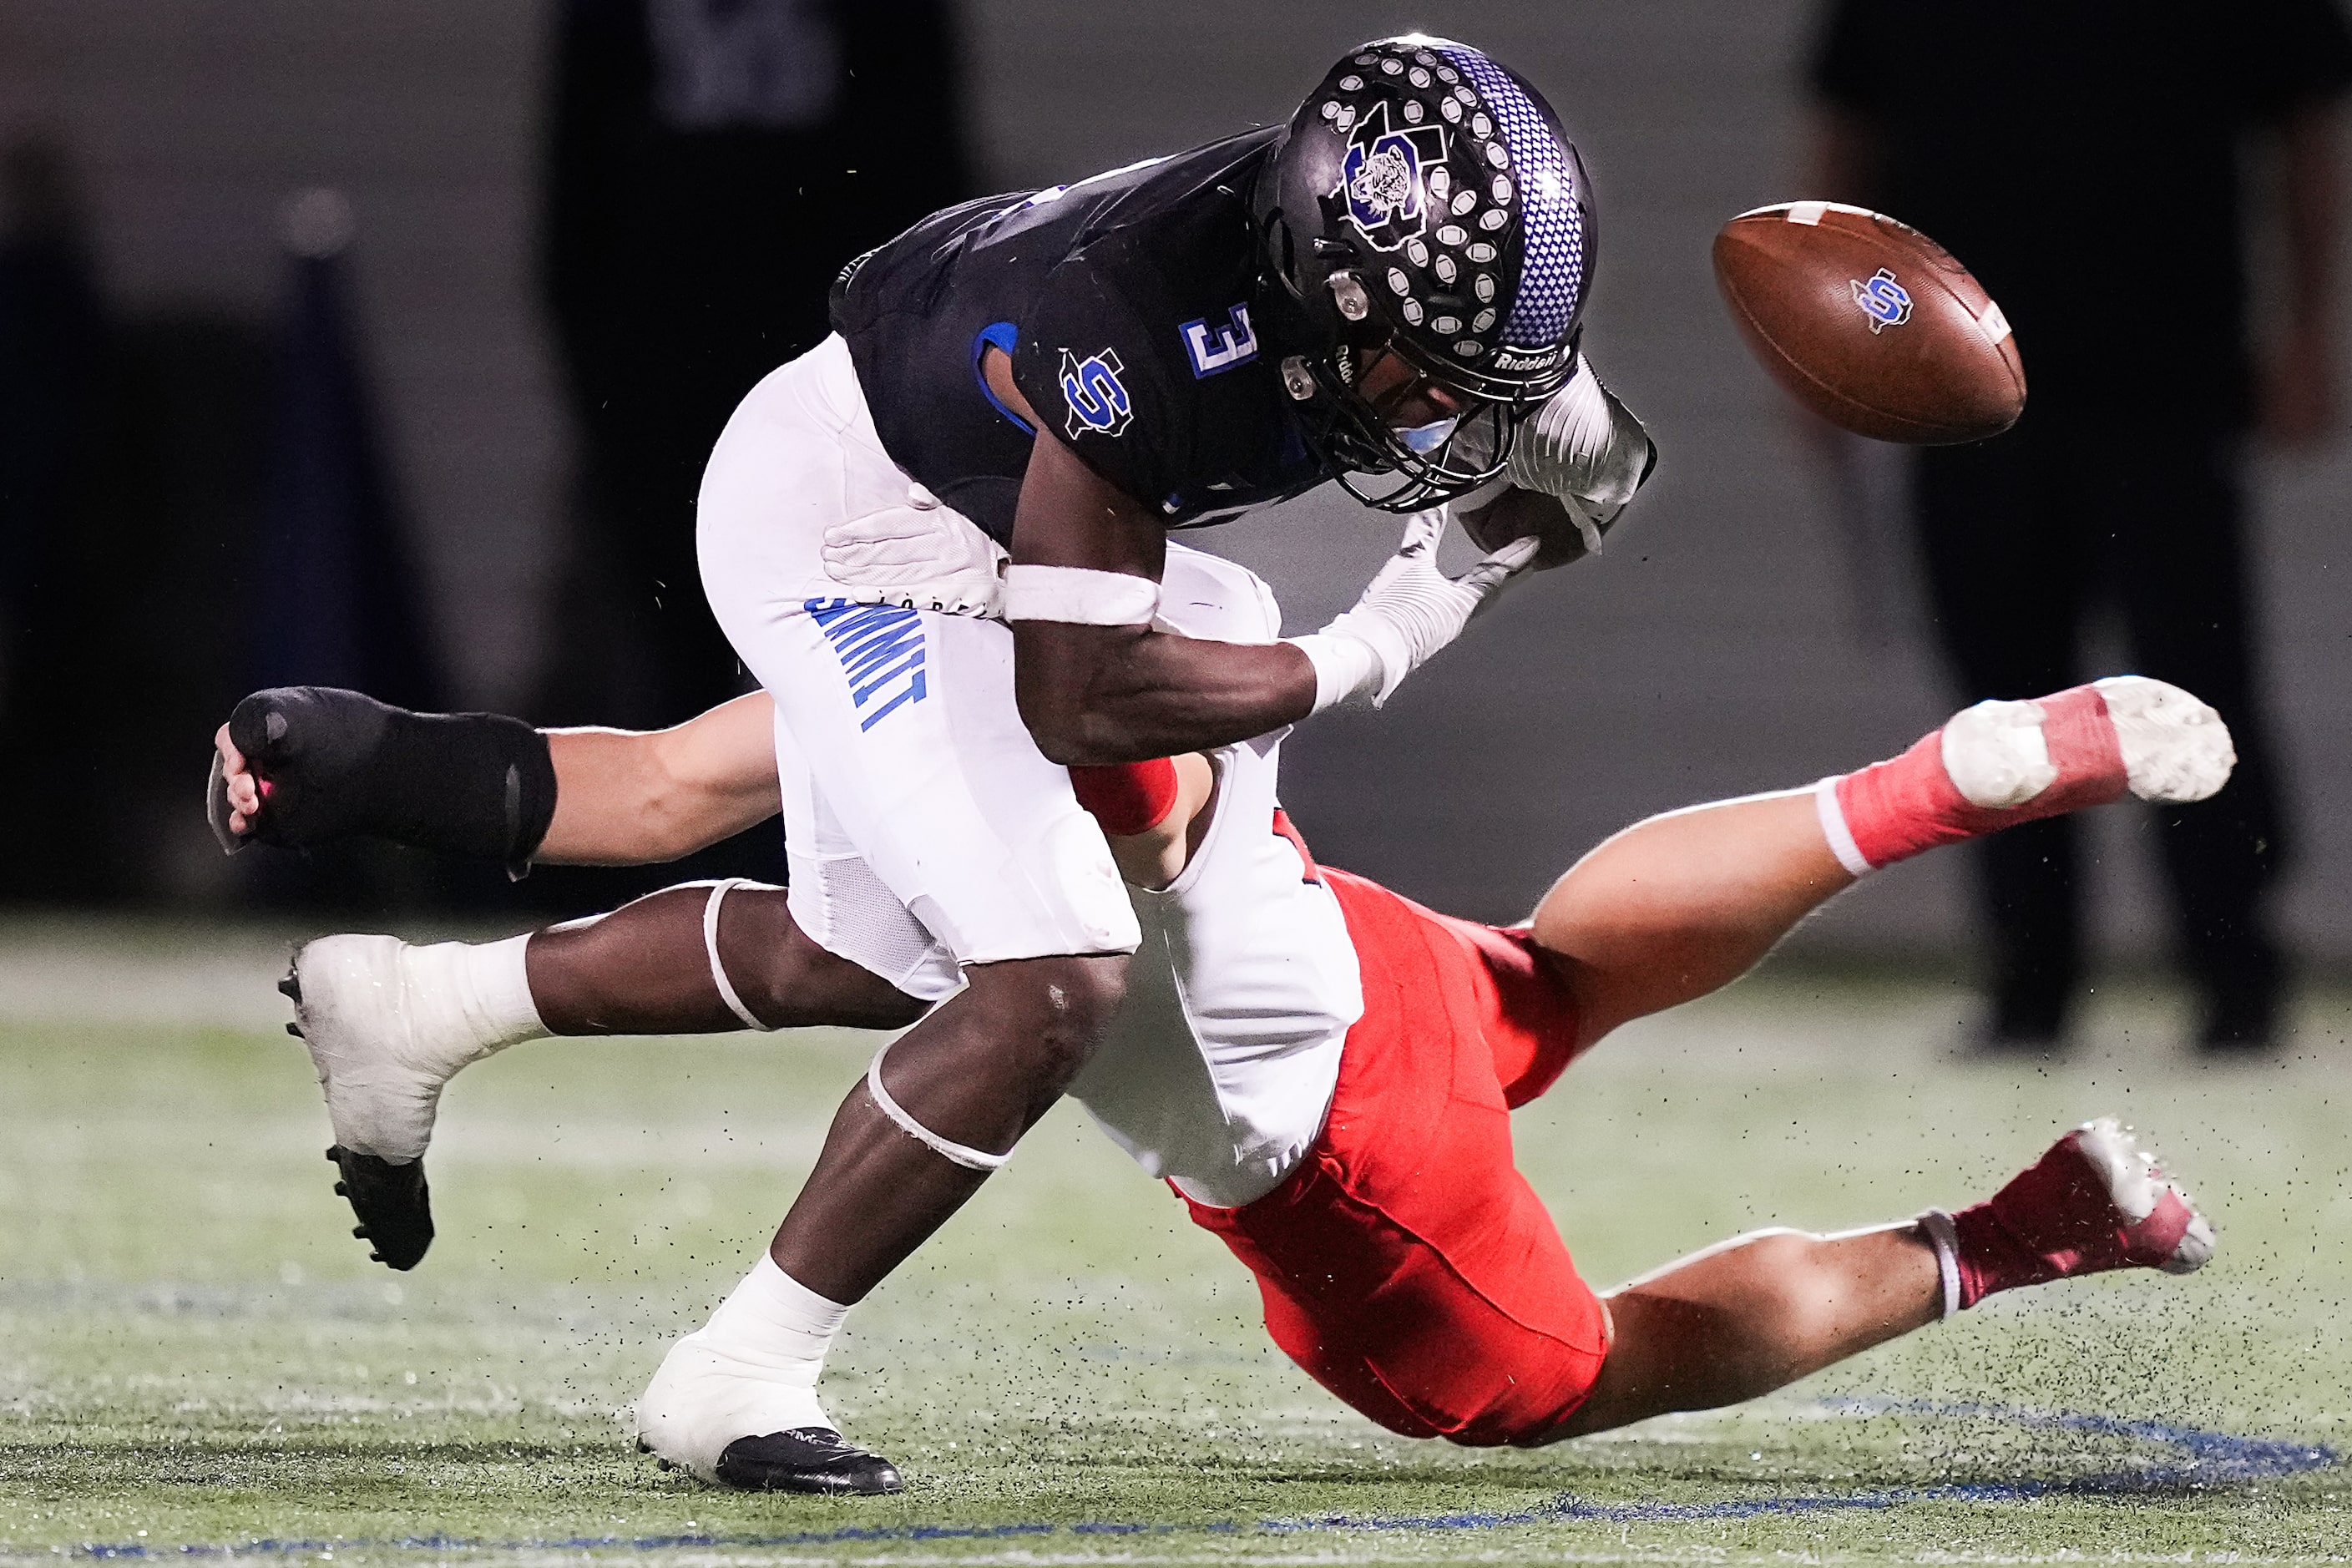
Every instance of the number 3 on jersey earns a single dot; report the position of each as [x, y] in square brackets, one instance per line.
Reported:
[1223, 348]
[1097, 400]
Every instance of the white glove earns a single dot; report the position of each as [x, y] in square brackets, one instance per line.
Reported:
[1586, 447]
[920, 557]
[1409, 611]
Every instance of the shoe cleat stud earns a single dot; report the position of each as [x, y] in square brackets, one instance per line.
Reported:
[293, 1031]
[291, 988]
[375, 1258]
[391, 1204]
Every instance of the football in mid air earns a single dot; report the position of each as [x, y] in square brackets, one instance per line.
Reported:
[1869, 323]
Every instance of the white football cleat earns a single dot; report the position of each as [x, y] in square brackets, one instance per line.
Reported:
[2162, 1227]
[388, 1026]
[735, 1423]
[353, 1009]
[2175, 747]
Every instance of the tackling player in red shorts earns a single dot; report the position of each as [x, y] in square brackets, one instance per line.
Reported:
[1323, 1069]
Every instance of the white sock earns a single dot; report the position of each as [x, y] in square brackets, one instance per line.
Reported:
[775, 1323]
[750, 1370]
[468, 1001]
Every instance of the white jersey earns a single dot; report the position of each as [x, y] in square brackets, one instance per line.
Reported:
[1218, 1070]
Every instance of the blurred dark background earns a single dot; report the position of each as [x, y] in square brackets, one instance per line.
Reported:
[357, 345]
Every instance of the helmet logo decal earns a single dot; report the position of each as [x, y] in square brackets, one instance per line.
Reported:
[1098, 399]
[1886, 302]
[1213, 349]
[1381, 179]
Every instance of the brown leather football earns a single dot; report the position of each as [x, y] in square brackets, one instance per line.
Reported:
[1869, 323]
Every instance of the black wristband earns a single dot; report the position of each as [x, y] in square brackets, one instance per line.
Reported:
[340, 764]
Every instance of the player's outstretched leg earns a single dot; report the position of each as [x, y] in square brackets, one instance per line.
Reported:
[2000, 763]
[1679, 905]
[389, 1024]
[1759, 1311]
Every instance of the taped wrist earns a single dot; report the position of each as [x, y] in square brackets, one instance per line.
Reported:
[342, 765]
[1344, 666]
[1128, 798]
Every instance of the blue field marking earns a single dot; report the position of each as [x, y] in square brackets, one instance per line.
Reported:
[2209, 1458]
[2205, 1459]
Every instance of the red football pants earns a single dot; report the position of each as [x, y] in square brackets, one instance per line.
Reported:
[1406, 1265]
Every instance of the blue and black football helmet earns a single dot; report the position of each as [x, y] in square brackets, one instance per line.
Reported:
[1425, 201]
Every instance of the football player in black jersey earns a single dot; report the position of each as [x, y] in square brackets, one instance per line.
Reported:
[1387, 291]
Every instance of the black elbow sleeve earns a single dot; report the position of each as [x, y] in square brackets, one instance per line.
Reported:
[339, 764]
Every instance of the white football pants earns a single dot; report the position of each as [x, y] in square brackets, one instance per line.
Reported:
[923, 829]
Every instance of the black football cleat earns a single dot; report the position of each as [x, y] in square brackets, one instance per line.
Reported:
[393, 1205]
[806, 1460]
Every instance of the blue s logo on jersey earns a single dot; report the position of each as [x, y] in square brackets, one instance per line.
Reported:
[1223, 348]
[1886, 302]
[1381, 177]
[1097, 398]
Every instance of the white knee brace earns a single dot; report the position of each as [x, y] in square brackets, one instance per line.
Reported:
[945, 1148]
[970, 1158]
[718, 892]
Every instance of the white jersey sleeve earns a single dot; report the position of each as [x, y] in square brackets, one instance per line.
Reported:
[1218, 1070]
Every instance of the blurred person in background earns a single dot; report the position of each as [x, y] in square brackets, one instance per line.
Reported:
[53, 364]
[52, 342]
[2082, 158]
[710, 166]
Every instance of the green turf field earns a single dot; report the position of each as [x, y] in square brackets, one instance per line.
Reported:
[194, 1353]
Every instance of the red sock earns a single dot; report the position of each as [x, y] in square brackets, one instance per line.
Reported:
[1892, 810]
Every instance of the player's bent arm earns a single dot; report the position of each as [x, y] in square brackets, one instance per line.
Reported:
[1117, 692]
[629, 798]
[1095, 684]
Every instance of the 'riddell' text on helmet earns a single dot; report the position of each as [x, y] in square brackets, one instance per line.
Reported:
[1426, 201]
